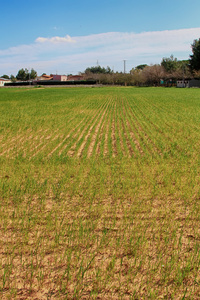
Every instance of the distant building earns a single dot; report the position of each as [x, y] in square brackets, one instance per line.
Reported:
[194, 83]
[3, 81]
[45, 77]
[59, 77]
[56, 77]
[75, 77]
[182, 83]
[188, 83]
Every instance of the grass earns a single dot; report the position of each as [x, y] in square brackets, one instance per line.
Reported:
[99, 191]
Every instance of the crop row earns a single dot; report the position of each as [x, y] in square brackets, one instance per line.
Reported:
[115, 126]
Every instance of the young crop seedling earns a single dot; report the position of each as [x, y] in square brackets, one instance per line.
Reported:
[99, 193]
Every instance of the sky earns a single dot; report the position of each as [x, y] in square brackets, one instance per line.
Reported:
[66, 37]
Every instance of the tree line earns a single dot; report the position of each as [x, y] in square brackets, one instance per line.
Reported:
[22, 75]
[167, 72]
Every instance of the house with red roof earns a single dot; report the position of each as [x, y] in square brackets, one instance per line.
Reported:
[75, 77]
[45, 77]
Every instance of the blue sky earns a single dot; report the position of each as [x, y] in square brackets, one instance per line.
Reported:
[69, 36]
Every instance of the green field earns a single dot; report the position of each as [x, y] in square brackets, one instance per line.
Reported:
[99, 193]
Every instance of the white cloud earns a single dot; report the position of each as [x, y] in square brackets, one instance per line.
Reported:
[72, 54]
[56, 40]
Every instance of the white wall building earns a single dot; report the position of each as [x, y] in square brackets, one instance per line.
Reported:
[3, 81]
[188, 83]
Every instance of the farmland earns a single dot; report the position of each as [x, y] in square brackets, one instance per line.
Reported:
[99, 193]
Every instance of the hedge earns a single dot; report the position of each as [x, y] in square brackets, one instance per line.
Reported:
[50, 82]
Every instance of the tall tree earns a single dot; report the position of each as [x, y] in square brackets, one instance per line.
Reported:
[195, 57]
[33, 74]
[169, 63]
[23, 74]
[153, 74]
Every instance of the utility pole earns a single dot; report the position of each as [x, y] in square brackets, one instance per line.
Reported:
[29, 76]
[124, 66]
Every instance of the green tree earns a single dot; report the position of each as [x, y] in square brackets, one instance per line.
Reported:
[141, 67]
[33, 74]
[5, 76]
[195, 57]
[12, 77]
[98, 70]
[169, 64]
[23, 74]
